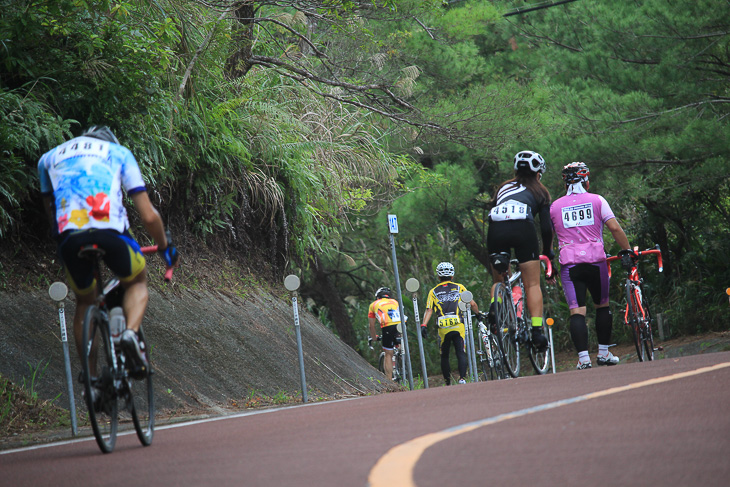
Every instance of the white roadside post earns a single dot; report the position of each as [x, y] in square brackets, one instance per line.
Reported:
[550, 323]
[393, 229]
[58, 292]
[465, 306]
[291, 283]
[412, 286]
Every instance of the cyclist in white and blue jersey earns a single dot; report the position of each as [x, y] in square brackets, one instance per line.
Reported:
[82, 183]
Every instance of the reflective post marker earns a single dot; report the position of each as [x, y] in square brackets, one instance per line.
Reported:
[58, 292]
[393, 229]
[412, 286]
[550, 322]
[291, 283]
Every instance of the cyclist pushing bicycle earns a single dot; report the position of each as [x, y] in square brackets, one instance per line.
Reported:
[578, 219]
[443, 301]
[81, 184]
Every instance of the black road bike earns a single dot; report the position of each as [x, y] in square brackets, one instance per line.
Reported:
[111, 394]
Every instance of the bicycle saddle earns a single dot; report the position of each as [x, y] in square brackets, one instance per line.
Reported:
[90, 251]
[500, 261]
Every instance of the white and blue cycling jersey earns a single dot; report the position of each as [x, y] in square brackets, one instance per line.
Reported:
[86, 177]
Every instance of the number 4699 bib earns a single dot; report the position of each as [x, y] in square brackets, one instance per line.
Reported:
[578, 215]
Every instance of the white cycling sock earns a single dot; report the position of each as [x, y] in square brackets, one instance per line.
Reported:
[602, 350]
[583, 357]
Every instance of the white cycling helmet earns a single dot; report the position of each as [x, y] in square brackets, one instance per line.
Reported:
[530, 160]
[445, 269]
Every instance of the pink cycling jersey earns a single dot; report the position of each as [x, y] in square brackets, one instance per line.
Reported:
[578, 220]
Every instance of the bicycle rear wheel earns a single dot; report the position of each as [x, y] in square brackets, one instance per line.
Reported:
[540, 360]
[507, 329]
[98, 375]
[397, 371]
[634, 319]
[143, 401]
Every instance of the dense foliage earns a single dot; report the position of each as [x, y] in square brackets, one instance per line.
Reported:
[289, 129]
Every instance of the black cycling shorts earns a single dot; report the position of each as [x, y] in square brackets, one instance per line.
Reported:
[520, 235]
[122, 255]
[390, 333]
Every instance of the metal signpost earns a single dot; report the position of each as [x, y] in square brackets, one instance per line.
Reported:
[465, 306]
[412, 286]
[58, 292]
[393, 229]
[291, 283]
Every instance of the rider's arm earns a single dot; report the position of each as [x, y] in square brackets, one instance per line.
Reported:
[546, 231]
[373, 335]
[150, 218]
[426, 316]
[474, 307]
[618, 234]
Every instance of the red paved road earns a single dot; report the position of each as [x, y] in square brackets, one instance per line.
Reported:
[670, 432]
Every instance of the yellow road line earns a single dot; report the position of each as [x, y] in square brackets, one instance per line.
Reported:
[396, 466]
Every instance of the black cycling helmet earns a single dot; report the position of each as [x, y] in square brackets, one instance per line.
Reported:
[527, 159]
[101, 132]
[576, 172]
[383, 292]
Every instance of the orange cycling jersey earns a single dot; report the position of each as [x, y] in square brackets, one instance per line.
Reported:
[386, 311]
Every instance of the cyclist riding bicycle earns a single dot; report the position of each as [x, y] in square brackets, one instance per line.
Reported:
[443, 300]
[512, 226]
[385, 311]
[81, 184]
[579, 218]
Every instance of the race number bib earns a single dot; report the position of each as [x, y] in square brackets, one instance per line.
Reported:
[578, 215]
[509, 210]
[448, 321]
[394, 315]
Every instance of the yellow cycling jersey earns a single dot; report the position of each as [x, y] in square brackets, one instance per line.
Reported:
[386, 311]
[444, 301]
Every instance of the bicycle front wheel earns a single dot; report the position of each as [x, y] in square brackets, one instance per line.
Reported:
[499, 367]
[634, 318]
[143, 401]
[507, 329]
[647, 337]
[98, 375]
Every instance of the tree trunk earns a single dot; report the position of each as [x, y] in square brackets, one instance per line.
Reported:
[237, 64]
[333, 300]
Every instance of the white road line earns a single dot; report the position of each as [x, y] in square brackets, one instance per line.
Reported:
[397, 465]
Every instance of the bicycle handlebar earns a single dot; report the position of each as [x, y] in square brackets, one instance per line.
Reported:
[656, 250]
[548, 264]
[152, 249]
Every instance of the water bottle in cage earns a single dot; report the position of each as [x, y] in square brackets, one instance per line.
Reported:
[517, 299]
[117, 323]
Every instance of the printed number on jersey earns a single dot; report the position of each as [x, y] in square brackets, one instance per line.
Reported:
[77, 149]
[448, 321]
[578, 215]
[509, 210]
